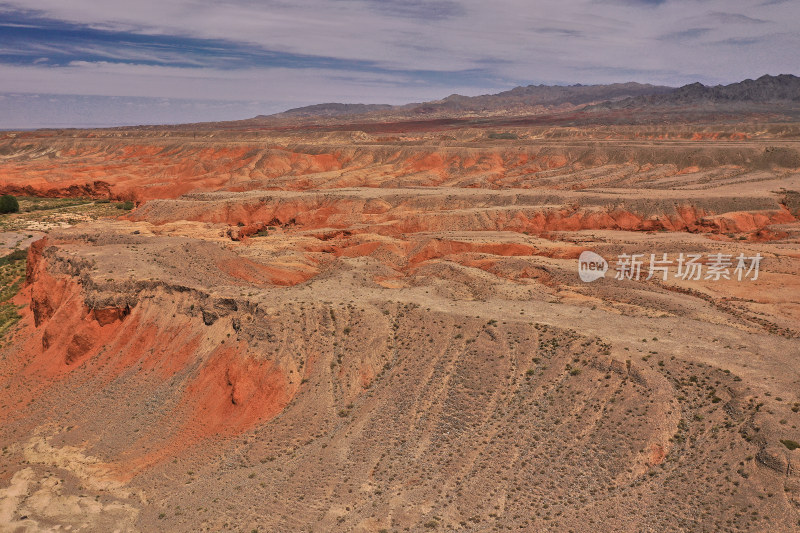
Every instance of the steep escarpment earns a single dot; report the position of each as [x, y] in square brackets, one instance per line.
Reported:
[402, 211]
[80, 333]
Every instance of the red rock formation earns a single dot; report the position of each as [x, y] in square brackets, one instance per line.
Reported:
[227, 389]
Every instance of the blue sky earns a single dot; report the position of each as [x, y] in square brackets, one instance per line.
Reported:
[194, 60]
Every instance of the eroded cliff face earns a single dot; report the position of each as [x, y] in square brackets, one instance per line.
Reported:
[146, 337]
[398, 212]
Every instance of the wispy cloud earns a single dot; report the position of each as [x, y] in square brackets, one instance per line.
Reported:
[690, 33]
[419, 10]
[740, 41]
[639, 3]
[561, 32]
[734, 18]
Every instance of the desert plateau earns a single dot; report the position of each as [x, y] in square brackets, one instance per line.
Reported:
[371, 318]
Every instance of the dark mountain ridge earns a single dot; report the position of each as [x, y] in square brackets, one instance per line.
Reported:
[766, 89]
[331, 109]
[533, 99]
[780, 92]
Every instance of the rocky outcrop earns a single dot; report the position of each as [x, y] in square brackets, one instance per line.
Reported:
[397, 212]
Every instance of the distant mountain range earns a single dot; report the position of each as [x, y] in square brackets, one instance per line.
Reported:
[533, 99]
[538, 98]
[766, 89]
[780, 92]
[332, 110]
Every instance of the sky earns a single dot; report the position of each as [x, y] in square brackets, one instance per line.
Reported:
[112, 62]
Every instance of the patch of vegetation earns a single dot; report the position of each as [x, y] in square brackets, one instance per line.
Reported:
[12, 274]
[28, 204]
[16, 255]
[42, 214]
[791, 444]
[791, 199]
[127, 205]
[8, 204]
[504, 135]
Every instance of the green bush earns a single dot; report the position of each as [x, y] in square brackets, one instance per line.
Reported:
[506, 135]
[16, 255]
[127, 205]
[792, 445]
[8, 204]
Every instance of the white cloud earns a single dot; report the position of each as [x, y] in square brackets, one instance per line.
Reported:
[506, 42]
[291, 86]
[602, 33]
